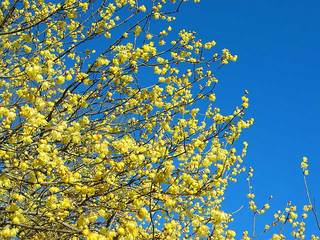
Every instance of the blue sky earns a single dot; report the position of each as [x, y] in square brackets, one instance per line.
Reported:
[278, 43]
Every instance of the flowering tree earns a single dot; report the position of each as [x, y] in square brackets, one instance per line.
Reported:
[103, 129]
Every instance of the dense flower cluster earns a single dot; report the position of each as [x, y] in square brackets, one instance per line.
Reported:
[101, 130]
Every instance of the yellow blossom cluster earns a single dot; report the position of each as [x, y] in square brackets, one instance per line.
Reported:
[101, 130]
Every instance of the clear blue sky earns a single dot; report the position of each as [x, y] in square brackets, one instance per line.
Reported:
[278, 43]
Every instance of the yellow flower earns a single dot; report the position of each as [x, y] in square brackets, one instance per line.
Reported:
[142, 213]
[60, 79]
[212, 97]
[142, 8]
